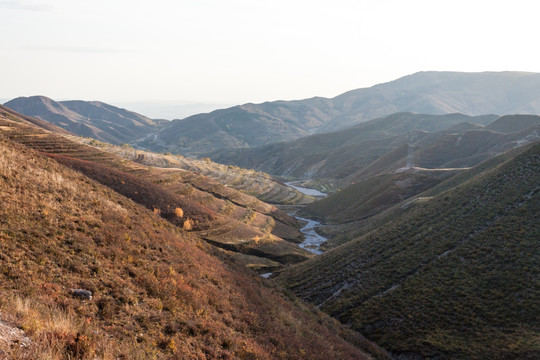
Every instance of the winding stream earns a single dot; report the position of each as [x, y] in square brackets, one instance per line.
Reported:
[312, 241]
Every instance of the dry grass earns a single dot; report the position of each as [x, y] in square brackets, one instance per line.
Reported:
[158, 292]
[163, 190]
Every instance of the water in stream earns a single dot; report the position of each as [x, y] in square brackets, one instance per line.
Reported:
[312, 241]
[307, 191]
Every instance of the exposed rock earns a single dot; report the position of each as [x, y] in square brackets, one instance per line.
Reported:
[81, 294]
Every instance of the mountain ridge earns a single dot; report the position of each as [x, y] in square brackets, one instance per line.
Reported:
[424, 92]
[252, 125]
[87, 118]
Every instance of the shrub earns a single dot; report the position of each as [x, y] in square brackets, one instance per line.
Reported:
[188, 225]
[179, 212]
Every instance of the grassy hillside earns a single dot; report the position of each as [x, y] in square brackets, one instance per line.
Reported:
[342, 153]
[157, 290]
[257, 184]
[374, 195]
[452, 277]
[221, 215]
[341, 233]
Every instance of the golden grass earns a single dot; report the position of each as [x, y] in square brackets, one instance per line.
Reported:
[158, 291]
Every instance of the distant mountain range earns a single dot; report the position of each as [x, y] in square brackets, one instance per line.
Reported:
[252, 125]
[87, 118]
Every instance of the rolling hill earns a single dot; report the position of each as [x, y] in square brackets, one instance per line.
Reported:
[252, 125]
[87, 118]
[387, 144]
[454, 276]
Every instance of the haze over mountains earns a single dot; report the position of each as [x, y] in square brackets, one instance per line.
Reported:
[252, 125]
[87, 118]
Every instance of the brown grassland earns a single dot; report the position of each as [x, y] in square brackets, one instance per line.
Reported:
[158, 290]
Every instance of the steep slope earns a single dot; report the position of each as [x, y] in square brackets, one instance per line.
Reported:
[455, 276]
[340, 232]
[93, 119]
[157, 291]
[222, 216]
[252, 125]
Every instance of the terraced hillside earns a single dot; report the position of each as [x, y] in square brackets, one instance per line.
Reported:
[454, 276]
[157, 291]
[257, 184]
[223, 216]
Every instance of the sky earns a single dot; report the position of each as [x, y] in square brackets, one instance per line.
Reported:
[215, 53]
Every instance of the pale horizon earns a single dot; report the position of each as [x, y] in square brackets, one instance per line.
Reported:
[238, 52]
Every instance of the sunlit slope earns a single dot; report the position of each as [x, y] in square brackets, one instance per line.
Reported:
[454, 277]
[250, 182]
[238, 221]
[157, 290]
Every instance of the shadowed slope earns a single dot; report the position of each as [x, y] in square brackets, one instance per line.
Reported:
[455, 276]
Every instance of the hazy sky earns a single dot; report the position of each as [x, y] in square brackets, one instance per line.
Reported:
[238, 51]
